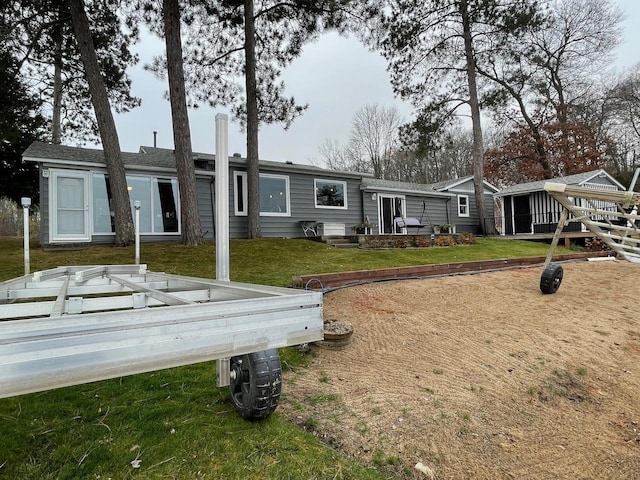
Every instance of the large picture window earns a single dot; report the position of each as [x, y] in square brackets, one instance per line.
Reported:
[330, 193]
[274, 194]
[159, 204]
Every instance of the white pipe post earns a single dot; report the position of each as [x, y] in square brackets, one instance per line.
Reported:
[26, 203]
[136, 205]
[222, 197]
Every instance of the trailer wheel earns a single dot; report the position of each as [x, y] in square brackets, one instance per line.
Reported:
[551, 279]
[256, 382]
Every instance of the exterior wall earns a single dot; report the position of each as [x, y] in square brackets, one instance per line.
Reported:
[205, 189]
[302, 206]
[437, 210]
[431, 209]
[600, 182]
[205, 206]
[472, 222]
[44, 207]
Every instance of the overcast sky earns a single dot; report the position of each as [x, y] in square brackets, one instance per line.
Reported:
[336, 76]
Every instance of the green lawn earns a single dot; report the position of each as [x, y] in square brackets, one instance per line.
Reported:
[175, 422]
[264, 261]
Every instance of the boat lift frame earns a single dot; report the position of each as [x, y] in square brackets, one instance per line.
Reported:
[76, 324]
[72, 325]
[612, 216]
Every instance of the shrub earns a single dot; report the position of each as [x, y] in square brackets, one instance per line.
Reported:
[466, 238]
[444, 241]
[595, 245]
[11, 219]
[8, 217]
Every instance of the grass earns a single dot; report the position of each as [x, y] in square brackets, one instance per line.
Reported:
[264, 261]
[175, 423]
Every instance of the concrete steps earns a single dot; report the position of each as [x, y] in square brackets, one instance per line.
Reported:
[342, 242]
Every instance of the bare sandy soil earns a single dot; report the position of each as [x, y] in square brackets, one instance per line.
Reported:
[483, 376]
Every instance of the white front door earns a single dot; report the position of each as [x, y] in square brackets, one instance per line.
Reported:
[69, 206]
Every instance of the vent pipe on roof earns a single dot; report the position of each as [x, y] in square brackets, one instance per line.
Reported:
[222, 197]
[155, 138]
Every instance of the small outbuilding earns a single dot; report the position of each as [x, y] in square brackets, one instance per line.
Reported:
[527, 209]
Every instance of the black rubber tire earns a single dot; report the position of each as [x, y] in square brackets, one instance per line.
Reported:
[551, 279]
[255, 390]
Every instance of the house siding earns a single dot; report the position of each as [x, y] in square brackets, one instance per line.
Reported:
[431, 206]
[436, 209]
[302, 206]
[204, 192]
[471, 223]
[204, 195]
[44, 207]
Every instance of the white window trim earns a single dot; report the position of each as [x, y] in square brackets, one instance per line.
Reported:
[288, 196]
[245, 195]
[54, 236]
[466, 206]
[332, 207]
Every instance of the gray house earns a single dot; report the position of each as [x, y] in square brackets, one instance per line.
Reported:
[295, 200]
[451, 202]
[526, 208]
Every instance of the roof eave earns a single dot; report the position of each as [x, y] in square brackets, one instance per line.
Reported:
[423, 193]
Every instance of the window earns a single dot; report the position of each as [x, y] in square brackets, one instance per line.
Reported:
[330, 193]
[463, 205]
[240, 193]
[274, 194]
[159, 204]
[103, 216]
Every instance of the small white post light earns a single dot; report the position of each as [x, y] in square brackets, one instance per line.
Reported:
[137, 205]
[26, 203]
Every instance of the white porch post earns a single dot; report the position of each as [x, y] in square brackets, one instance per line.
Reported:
[222, 197]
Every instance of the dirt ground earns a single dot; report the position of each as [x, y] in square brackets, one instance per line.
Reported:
[482, 376]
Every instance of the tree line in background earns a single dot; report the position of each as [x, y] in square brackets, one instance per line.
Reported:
[551, 103]
[530, 72]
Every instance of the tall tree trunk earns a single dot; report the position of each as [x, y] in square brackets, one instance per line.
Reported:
[478, 148]
[253, 168]
[56, 123]
[106, 125]
[191, 227]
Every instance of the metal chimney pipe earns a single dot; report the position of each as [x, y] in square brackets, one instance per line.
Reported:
[155, 139]
[222, 197]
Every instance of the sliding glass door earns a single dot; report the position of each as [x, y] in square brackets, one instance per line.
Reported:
[390, 207]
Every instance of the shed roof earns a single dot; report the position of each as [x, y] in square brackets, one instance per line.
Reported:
[577, 179]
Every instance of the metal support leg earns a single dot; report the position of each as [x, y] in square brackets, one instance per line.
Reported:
[223, 372]
[556, 236]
